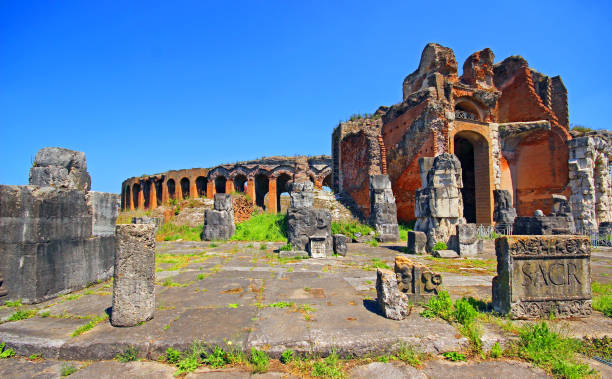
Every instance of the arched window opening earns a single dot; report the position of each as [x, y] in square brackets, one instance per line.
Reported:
[465, 110]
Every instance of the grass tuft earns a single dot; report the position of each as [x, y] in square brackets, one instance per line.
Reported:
[262, 227]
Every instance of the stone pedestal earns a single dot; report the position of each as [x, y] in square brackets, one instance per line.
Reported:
[417, 242]
[383, 211]
[134, 276]
[304, 223]
[340, 244]
[468, 240]
[542, 275]
[219, 223]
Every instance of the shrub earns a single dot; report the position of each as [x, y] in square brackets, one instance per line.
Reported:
[440, 246]
[496, 351]
[5, 353]
[260, 361]
[439, 306]
[172, 356]
[287, 356]
[262, 227]
[464, 312]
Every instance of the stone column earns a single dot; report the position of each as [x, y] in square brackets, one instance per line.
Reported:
[153, 196]
[131, 199]
[272, 195]
[210, 189]
[134, 276]
[193, 189]
[141, 197]
[229, 186]
[251, 189]
[383, 211]
[165, 195]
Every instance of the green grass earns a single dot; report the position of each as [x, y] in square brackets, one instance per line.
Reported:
[439, 306]
[67, 369]
[22, 315]
[602, 298]
[259, 360]
[5, 353]
[377, 263]
[440, 246]
[350, 228]
[262, 227]
[548, 350]
[90, 325]
[130, 354]
[12, 304]
[287, 356]
[328, 367]
[287, 247]
[404, 229]
[454, 356]
[172, 232]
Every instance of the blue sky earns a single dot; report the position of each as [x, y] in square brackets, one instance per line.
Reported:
[149, 86]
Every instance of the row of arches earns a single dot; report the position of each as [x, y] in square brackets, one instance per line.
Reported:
[264, 188]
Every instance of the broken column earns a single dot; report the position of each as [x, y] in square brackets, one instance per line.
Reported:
[383, 211]
[467, 240]
[503, 213]
[417, 242]
[438, 204]
[219, 223]
[134, 277]
[409, 283]
[542, 275]
[340, 244]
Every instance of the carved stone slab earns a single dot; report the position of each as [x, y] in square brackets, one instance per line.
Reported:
[540, 275]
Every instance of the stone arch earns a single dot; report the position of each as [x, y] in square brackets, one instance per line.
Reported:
[282, 189]
[240, 181]
[472, 146]
[201, 184]
[136, 195]
[212, 175]
[469, 109]
[327, 181]
[220, 184]
[185, 188]
[261, 188]
[171, 185]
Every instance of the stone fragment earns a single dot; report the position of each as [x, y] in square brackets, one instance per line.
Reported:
[392, 303]
[503, 213]
[147, 220]
[468, 240]
[59, 167]
[383, 211]
[561, 206]
[542, 275]
[302, 194]
[292, 254]
[543, 225]
[445, 254]
[104, 211]
[438, 204]
[219, 223]
[340, 244]
[417, 242]
[416, 280]
[302, 223]
[134, 276]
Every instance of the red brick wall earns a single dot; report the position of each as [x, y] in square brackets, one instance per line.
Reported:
[354, 156]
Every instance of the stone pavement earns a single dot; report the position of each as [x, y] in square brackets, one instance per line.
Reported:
[242, 295]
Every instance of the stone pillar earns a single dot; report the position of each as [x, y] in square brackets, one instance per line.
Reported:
[229, 186]
[141, 202]
[131, 198]
[210, 189]
[134, 276]
[219, 223]
[250, 190]
[383, 211]
[272, 196]
[153, 196]
[193, 189]
[165, 195]
[582, 184]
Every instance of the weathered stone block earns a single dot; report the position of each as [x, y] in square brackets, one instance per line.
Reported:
[292, 254]
[416, 280]
[468, 240]
[223, 202]
[392, 303]
[218, 225]
[104, 211]
[59, 167]
[340, 244]
[445, 254]
[134, 277]
[302, 223]
[383, 211]
[302, 194]
[540, 275]
[417, 242]
[503, 213]
[543, 225]
[147, 220]
[317, 246]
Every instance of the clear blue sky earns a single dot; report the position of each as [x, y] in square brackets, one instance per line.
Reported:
[149, 86]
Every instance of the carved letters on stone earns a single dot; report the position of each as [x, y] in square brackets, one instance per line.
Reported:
[540, 275]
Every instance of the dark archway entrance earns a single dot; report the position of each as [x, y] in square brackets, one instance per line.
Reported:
[261, 190]
[201, 183]
[282, 190]
[472, 149]
[220, 184]
[185, 188]
[136, 195]
[239, 183]
[171, 189]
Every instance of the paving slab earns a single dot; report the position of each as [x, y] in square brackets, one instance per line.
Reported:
[19, 368]
[440, 369]
[385, 370]
[119, 370]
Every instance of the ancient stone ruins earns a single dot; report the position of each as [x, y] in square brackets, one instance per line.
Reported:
[461, 161]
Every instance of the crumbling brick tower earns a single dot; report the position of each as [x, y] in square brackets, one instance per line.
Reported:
[507, 124]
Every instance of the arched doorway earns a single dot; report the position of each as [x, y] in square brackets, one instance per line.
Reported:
[201, 183]
[472, 149]
[136, 195]
[220, 184]
[158, 191]
[240, 183]
[261, 190]
[282, 191]
[327, 183]
[171, 189]
[185, 188]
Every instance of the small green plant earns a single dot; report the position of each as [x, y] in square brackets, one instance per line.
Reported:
[45, 314]
[90, 325]
[130, 354]
[281, 304]
[454, 356]
[496, 351]
[440, 246]
[377, 263]
[287, 356]
[409, 355]
[67, 369]
[191, 359]
[201, 276]
[232, 305]
[373, 243]
[217, 358]
[328, 367]
[12, 304]
[172, 356]
[263, 246]
[439, 306]
[464, 312]
[5, 353]
[34, 357]
[287, 247]
[260, 361]
[22, 315]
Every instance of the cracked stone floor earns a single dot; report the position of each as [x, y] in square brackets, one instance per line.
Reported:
[242, 295]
